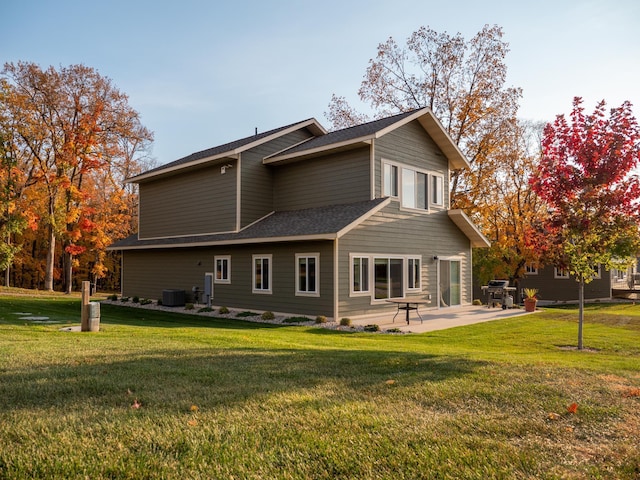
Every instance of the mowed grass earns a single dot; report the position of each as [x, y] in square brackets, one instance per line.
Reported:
[160, 395]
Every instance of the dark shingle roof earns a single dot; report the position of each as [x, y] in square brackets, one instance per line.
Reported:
[347, 134]
[221, 149]
[285, 225]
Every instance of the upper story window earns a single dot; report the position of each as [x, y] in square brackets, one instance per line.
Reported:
[560, 272]
[531, 269]
[416, 189]
[390, 188]
[437, 190]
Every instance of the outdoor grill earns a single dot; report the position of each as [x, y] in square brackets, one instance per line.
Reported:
[497, 292]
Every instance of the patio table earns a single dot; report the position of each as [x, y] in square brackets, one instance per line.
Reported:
[408, 304]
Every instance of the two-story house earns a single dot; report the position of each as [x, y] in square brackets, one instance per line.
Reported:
[298, 220]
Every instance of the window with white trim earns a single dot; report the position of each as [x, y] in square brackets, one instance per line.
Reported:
[390, 183]
[413, 271]
[262, 266]
[223, 269]
[437, 190]
[414, 189]
[560, 273]
[388, 278]
[531, 269]
[307, 274]
[360, 274]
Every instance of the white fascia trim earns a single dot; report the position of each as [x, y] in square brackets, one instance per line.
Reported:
[232, 153]
[473, 233]
[441, 137]
[244, 241]
[145, 176]
[361, 219]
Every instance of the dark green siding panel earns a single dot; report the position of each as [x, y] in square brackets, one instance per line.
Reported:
[147, 273]
[394, 232]
[198, 201]
[335, 179]
[257, 178]
[565, 290]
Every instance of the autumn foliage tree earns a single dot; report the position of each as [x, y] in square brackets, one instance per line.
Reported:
[588, 178]
[462, 82]
[76, 134]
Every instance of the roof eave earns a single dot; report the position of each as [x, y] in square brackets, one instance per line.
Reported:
[312, 124]
[437, 132]
[473, 233]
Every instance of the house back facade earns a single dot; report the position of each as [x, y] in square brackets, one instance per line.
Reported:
[298, 220]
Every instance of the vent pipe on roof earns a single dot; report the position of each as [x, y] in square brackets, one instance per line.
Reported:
[256, 131]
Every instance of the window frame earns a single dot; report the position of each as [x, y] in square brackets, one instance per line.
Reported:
[362, 276]
[530, 269]
[224, 259]
[307, 293]
[269, 259]
[433, 183]
[560, 273]
[411, 271]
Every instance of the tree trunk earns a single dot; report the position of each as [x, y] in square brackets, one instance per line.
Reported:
[51, 251]
[580, 311]
[68, 272]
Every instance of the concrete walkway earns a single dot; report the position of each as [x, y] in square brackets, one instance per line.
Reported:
[439, 319]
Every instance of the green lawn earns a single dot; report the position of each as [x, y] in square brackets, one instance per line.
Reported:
[159, 395]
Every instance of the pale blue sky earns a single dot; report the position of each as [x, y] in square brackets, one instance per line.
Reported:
[202, 73]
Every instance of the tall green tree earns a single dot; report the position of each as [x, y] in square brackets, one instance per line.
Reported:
[587, 178]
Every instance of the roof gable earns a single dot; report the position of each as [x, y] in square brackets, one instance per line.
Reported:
[369, 131]
[231, 149]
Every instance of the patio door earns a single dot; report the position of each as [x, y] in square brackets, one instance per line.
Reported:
[449, 287]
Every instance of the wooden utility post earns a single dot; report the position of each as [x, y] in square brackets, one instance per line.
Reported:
[86, 295]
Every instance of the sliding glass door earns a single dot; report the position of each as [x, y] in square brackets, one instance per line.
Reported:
[449, 285]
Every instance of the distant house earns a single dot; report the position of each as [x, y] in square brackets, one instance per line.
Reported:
[298, 220]
[557, 285]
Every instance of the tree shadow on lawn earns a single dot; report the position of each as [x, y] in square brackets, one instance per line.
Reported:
[172, 380]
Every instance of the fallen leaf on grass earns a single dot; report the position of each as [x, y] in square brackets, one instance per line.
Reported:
[631, 392]
[136, 404]
[390, 382]
[194, 408]
[192, 423]
[553, 416]
[573, 408]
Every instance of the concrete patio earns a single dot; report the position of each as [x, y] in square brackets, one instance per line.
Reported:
[438, 319]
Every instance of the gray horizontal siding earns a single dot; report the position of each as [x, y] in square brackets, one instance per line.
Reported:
[257, 178]
[392, 231]
[564, 290]
[410, 145]
[147, 273]
[198, 201]
[339, 178]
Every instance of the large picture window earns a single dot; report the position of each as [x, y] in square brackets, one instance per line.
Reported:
[307, 274]
[262, 273]
[223, 269]
[388, 278]
[417, 189]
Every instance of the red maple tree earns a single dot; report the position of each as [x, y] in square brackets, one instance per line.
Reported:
[588, 178]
